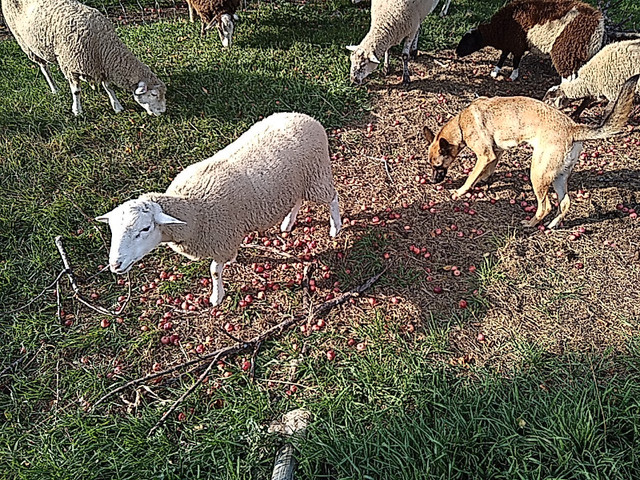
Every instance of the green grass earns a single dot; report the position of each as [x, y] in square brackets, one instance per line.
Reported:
[393, 411]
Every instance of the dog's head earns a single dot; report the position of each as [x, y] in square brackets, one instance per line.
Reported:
[441, 154]
[472, 41]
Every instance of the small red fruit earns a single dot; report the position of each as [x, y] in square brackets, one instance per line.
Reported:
[331, 355]
[462, 304]
[104, 323]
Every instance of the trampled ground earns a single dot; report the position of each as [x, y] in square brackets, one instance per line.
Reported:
[536, 377]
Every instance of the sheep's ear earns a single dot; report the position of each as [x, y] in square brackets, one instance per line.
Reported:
[352, 48]
[236, 18]
[428, 134]
[373, 58]
[142, 88]
[103, 218]
[164, 219]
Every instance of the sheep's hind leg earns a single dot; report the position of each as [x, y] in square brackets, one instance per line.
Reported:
[335, 220]
[406, 77]
[112, 97]
[74, 83]
[217, 289]
[413, 52]
[289, 220]
[387, 64]
[516, 68]
[191, 17]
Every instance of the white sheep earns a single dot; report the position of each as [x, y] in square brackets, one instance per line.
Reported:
[603, 76]
[391, 23]
[252, 184]
[84, 44]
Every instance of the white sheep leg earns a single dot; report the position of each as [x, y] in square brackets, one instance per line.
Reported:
[74, 83]
[44, 68]
[386, 64]
[112, 97]
[406, 78]
[289, 220]
[191, 19]
[217, 289]
[414, 45]
[514, 75]
[495, 71]
[445, 9]
[335, 220]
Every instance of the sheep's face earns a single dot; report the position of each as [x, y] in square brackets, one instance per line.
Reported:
[471, 42]
[135, 231]
[441, 155]
[151, 97]
[556, 97]
[225, 29]
[362, 64]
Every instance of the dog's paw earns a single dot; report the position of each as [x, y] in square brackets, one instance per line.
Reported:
[530, 223]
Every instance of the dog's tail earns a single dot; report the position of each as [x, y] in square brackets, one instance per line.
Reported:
[617, 118]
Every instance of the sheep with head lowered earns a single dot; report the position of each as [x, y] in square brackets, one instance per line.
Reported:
[221, 13]
[85, 46]
[601, 77]
[570, 31]
[392, 22]
[252, 184]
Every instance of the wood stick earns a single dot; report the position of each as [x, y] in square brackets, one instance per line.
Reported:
[72, 280]
[241, 346]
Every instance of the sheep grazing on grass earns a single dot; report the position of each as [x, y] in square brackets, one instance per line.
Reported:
[218, 13]
[84, 44]
[391, 23]
[570, 31]
[603, 76]
[261, 178]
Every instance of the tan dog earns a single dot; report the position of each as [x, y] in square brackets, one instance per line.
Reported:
[491, 125]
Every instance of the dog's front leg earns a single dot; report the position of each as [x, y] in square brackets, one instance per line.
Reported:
[481, 165]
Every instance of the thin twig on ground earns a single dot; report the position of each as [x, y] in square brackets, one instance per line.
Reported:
[177, 403]
[259, 339]
[254, 356]
[30, 302]
[74, 285]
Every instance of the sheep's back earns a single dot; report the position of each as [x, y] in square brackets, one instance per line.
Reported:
[398, 19]
[264, 172]
[65, 32]
[610, 68]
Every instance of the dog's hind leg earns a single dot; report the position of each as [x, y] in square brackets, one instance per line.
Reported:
[541, 189]
[561, 180]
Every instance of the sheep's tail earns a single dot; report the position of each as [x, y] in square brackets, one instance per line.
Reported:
[617, 118]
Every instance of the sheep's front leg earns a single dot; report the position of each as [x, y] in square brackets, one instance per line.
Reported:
[74, 83]
[44, 68]
[217, 289]
[387, 64]
[289, 220]
[516, 67]
[112, 98]
[335, 220]
[498, 67]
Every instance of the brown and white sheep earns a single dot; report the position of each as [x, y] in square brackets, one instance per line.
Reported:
[570, 31]
[221, 13]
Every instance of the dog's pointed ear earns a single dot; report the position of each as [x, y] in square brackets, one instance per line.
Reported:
[428, 134]
[352, 48]
[445, 146]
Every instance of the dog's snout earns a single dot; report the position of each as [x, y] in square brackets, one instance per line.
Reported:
[439, 175]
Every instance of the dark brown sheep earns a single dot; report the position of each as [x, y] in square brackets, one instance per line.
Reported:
[570, 31]
[219, 13]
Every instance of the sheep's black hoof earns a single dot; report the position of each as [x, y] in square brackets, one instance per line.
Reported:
[406, 80]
